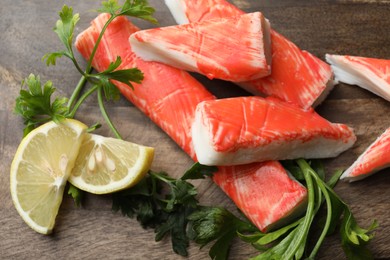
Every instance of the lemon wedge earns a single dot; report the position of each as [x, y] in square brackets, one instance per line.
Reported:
[40, 169]
[106, 165]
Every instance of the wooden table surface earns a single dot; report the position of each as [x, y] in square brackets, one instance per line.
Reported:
[94, 231]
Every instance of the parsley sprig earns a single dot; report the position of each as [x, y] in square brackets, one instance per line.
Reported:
[164, 204]
[28, 103]
[35, 105]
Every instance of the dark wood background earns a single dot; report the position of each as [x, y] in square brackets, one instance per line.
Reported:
[94, 231]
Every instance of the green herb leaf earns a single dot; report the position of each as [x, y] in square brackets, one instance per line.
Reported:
[35, 105]
[111, 92]
[252, 237]
[216, 223]
[134, 8]
[101, 82]
[210, 223]
[199, 171]
[277, 251]
[111, 6]
[162, 203]
[51, 58]
[354, 238]
[76, 194]
[273, 236]
[65, 26]
[182, 193]
[139, 9]
[113, 65]
[139, 201]
[334, 179]
[175, 224]
[220, 250]
[125, 76]
[352, 235]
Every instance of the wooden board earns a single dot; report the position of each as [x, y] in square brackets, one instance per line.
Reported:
[94, 231]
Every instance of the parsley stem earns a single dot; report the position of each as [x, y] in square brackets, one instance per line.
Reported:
[104, 113]
[89, 65]
[76, 92]
[81, 100]
[76, 64]
[303, 231]
[328, 200]
[163, 178]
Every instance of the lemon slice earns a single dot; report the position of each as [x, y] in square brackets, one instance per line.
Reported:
[40, 169]
[106, 165]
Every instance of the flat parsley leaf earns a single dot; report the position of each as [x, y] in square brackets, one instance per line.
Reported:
[125, 76]
[135, 8]
[51, 58]
[139, 201]
[162, 203]
[216, 223]
[140, 9]
[199, 171]
[35, 105]
[111, 6]
[65, 26]
[65, 30]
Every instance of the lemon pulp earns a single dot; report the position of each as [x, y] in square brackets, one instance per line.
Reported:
[40, 169]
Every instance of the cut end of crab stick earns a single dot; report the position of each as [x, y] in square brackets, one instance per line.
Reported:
[185, 11]
[368, 73]
[375, 158]
[178, 10]
[242, 130]
[233, 49]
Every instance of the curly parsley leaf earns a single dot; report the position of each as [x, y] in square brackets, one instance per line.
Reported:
[35, 106]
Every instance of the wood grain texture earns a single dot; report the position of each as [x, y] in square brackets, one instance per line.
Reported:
[94, 231]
